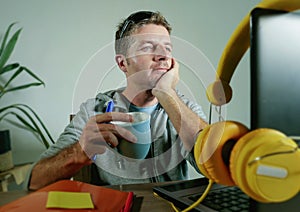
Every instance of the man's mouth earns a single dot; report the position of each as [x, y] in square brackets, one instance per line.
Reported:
[161, 69]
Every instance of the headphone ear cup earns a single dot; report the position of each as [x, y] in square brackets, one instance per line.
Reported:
[258, 169]
[201, 139]
[209, 146]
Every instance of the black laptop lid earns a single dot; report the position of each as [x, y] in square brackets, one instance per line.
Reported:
[275, 70]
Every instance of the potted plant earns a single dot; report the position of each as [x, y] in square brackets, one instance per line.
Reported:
[17, 114]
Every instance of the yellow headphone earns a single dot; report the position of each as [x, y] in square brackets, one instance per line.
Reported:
[264, 163]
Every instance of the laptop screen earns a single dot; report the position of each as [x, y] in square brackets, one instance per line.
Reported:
[275, 70]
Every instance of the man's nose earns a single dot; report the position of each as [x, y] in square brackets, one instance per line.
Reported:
[161, 53]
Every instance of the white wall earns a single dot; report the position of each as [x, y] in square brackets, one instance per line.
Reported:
[60, 37]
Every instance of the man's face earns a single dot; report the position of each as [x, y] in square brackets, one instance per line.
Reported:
[149, 56]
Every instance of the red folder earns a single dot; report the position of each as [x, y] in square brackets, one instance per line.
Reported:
[104, 199]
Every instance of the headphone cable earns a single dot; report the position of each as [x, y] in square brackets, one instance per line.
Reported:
[210, 183]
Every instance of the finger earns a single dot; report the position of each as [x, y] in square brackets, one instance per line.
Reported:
[175, 64]
[109, 138]
[93, 143]
[119, 131]
[113, 116]
[99, 142]
[100, 139]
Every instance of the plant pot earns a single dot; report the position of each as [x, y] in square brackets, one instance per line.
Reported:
[6, 160]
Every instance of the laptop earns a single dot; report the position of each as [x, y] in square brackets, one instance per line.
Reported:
[275, 83]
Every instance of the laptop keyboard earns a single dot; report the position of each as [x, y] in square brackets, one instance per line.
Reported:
[225, 199]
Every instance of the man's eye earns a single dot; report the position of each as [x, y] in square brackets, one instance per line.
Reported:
[147, 48]
[169, 49]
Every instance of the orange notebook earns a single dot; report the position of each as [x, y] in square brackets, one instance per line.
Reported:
[103, 199]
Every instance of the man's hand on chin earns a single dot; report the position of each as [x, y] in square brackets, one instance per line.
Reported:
[168, 81]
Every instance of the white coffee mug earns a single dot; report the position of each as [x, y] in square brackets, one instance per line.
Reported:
[140, 127]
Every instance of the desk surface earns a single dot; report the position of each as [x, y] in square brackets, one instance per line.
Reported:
[145, 201]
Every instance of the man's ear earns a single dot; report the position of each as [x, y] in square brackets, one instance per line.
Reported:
[121, 61]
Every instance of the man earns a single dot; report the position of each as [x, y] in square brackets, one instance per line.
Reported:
[144, 53]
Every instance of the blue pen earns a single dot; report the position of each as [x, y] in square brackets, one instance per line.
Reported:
[109, 108]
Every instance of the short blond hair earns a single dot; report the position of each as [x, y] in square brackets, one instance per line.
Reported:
[134, 22]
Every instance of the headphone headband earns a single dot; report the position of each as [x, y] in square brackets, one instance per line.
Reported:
[220, 92]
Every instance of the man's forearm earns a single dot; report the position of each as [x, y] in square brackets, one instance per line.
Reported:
[186, 122]
[61, 166]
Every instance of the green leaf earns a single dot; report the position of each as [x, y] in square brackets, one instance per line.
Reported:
[21, 87]
[33, 75]
[21, 125]
[27, 126]
[17, 72]
[5, 88]
[17, 123]
[31, 115]
[5, 37]
[9, 67]
[40, 121]
[8, 49]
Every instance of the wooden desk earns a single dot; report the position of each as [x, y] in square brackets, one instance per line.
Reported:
[145, 201]
[9, 196]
